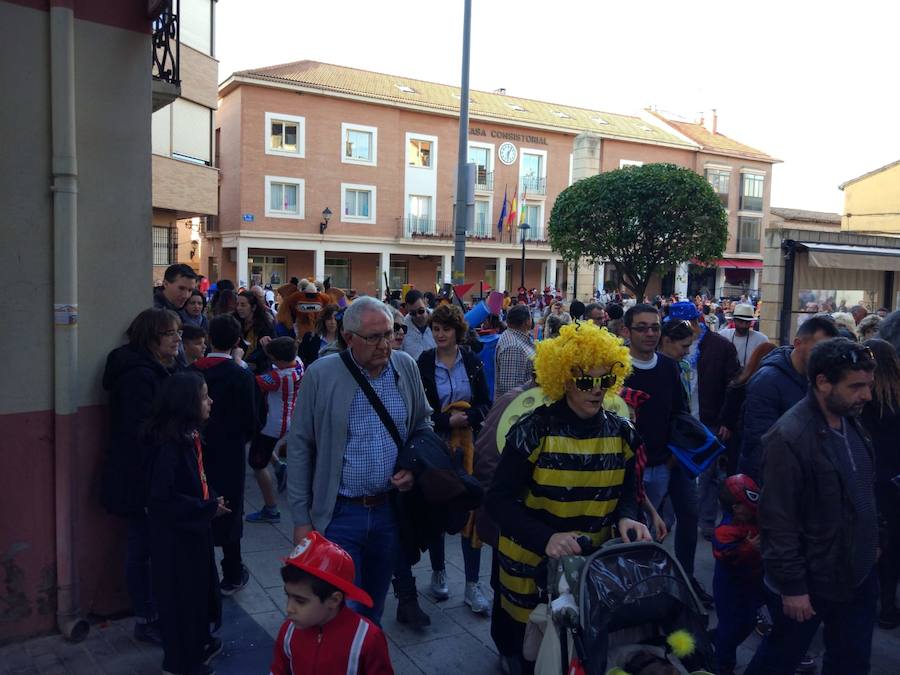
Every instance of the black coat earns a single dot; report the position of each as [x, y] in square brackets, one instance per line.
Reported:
[132, 377]
[481, 395]
[717, 366]
[232, 423]
[185, 581]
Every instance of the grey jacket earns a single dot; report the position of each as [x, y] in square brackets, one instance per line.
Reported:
[417, 341]
[318, 434]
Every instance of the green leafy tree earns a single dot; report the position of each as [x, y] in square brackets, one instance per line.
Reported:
[645, 220]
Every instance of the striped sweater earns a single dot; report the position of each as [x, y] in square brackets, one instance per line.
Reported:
[559, 473]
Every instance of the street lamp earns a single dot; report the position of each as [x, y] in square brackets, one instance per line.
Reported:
[524, 227]
[326, 216]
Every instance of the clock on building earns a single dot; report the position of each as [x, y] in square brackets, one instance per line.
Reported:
[507, 153]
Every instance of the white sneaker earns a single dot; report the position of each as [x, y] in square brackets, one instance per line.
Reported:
[439, 585]
[475, 598]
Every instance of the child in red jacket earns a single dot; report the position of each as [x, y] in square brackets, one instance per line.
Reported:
[322, 635]
[738, 580]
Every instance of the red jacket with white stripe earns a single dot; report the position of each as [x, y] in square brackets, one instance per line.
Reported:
[280, 387]
[347, 645]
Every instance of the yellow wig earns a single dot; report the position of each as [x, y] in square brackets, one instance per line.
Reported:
[579, 348]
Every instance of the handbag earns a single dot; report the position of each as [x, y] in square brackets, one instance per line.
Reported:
[438, 473]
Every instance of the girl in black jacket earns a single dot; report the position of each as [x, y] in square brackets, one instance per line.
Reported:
[181, 508]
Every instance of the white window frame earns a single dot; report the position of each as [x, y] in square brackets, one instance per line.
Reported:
[540, 204]
[490, 147]
[533, 151]
[301, 134]
[412, 136]
[301, 197]
[489, 222]
[629, 162]
[347, 126]
[372, 202]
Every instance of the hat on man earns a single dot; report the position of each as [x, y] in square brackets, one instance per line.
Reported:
[330, 563]
[743, 312]
[683, 311]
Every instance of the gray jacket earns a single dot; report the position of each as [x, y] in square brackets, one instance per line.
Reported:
[417, 341]
[318, 434]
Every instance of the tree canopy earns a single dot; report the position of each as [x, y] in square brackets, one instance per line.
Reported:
[641, 219]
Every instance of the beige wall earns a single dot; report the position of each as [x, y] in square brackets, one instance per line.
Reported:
[199, 77]
[190, 189]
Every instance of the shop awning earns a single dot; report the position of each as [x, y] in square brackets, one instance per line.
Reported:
[739, 263]
[847, 256]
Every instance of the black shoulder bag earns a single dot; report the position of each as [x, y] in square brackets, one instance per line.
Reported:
[374, 401]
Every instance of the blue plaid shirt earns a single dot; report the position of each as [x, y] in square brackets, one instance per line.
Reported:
[371, 453]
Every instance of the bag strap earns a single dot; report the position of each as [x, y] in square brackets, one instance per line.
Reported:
[374, 401]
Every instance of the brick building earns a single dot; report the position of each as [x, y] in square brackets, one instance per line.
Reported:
[378, 153]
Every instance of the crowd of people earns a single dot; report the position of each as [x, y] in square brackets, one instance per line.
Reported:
[386, 423]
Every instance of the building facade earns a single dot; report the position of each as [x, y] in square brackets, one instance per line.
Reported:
[185, 181]
[378, 154]
[872, 201]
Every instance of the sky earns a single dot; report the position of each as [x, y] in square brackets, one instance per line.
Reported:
[811, 83]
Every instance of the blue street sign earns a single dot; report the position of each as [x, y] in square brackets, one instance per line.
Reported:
[247, 217]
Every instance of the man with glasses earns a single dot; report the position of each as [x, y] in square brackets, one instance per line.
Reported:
[744, 338]
[818, 519]
[418, 335]
[659, 377]
[342, 456]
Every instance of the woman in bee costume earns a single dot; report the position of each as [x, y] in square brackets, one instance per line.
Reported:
[569, 469]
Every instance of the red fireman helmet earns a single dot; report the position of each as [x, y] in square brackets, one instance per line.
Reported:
[330, 563]
[741, 489]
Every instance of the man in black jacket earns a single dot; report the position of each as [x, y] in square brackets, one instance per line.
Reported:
[818, 519]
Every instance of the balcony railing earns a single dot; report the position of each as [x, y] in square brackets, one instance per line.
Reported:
[166, 58]
[428, 229]
[484, 179]
[534, 185]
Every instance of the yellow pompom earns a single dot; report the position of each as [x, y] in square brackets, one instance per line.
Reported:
[616, 671]
[682, 643]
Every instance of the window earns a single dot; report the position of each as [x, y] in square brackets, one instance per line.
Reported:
[398, 273]
[285, 135]
[533, 173]
[418, 215]
[629, 162]
[357, 203]
[195, 21]
[191, 132]
[284, 197]
[482, 225]
[359, 144]
[534, 216]
[748, 234]
[339, 271]
[418, 153]
[720, 179]
[164, 245]
[480, 156]
[752, 192]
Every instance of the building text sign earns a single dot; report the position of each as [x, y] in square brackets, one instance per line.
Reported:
[507, 136]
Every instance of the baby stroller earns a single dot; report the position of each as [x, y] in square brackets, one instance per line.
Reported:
[621, 601]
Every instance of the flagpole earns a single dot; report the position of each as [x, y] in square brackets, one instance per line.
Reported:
[463, 174]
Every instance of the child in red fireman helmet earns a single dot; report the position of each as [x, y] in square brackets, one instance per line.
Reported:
[738, 580]
[321, 634]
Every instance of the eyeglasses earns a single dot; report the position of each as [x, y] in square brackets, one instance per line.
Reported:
[646, 328]
[589, 383]
[859, 354]
[400, 328]
[418, 312]
[171, 333]
[373, 340]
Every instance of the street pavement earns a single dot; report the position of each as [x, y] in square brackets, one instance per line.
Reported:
[456, 642]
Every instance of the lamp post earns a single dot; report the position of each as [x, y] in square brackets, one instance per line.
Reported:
[524, 227]
[326, 216]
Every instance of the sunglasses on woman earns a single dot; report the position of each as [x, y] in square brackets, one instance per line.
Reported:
[589, 383]
[400, 328]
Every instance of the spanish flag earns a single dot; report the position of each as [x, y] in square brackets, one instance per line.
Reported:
[513, 218]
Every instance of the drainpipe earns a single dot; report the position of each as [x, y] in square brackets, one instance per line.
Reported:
[789, 248]
[65, 320]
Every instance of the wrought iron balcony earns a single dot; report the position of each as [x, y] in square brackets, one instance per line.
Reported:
[484, 179]
[166, 61]
[423, 227]
[534, 185]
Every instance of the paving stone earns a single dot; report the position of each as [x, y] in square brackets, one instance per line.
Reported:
[401, 662]
[265, 538]
[265, 566]
[270, 621]
[477, 626]
[453, 655]
[442, 625]
[253, 599]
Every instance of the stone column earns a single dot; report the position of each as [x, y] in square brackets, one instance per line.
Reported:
[319, 264]
[551, 273]
[446, 268]
[384, 267]
[586, 153]
[501, 274]
[681, 280]
[242, 267]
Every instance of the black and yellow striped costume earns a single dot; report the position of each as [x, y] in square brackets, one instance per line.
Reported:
[558, 473]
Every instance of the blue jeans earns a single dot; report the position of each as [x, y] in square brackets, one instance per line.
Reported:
[137, 569]
[848, 635]
[471, 557]
[681, 489]
[710, 483]
[371, 536]
[737, 601]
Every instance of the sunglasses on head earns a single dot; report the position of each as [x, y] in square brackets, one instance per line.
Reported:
[858, 354]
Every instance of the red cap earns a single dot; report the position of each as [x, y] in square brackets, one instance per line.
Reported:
[742, 489]
[329, 562]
